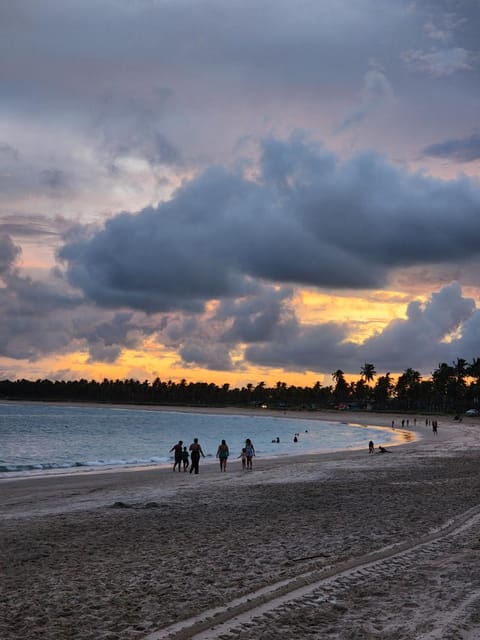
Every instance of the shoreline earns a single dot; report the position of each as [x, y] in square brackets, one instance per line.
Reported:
[126, 554]
[397, 437]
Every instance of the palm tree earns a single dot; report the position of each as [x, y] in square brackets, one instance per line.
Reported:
[408, 388]
[383, 390]
[368, 372]
[473, 370]
[341, 387]
[442, 379]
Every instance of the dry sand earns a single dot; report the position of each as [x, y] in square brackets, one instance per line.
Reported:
[347, 545]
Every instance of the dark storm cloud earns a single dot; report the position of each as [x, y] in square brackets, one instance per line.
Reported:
[309, 220]
[41, 318]
[36, 318]
[210, 355]
[296, 347]
[253, 319]
[462, 149]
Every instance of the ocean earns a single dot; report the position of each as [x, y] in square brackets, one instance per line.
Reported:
[37, 438]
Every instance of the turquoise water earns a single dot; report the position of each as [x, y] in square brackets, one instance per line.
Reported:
[46, 438]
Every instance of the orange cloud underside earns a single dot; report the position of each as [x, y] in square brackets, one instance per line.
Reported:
[364, 315]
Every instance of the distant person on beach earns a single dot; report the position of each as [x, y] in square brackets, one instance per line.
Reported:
[371, 447]
[249, 453]
[185, 458]
[295, 439]
[195, 453]
[222, 455]
[177, 449]
[243, 456]
[383, 450]
[434, 427]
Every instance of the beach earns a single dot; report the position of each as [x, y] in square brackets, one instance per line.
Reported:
[346, 545]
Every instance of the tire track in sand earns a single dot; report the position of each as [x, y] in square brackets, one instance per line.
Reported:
[316, 585]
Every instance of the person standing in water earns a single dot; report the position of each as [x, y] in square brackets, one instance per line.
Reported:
[222, 455]
[249, 453]
[195, 453]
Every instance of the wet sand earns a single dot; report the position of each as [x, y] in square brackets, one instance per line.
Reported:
[348, 545]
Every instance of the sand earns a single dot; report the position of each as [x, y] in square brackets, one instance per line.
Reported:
[346, 545]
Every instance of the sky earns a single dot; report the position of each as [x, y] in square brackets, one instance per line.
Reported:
[238, 191]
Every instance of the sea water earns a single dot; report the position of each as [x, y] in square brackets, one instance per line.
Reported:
[38, 438]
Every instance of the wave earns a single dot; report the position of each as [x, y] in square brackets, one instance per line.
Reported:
[50, 466]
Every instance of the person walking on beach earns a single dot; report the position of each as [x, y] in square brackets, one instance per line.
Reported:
[195, 453]
[177, 448]
[185, 459]
[371, 447]
[222, 455]
[249, 453]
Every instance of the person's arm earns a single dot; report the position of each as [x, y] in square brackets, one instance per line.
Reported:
[201, 451]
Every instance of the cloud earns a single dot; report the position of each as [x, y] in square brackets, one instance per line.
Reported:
[132, 127]
[254, 318]
[323, 347]
[158, 98]
[55, 179]
[308, 219]
[427, 335]
[376, 93]
[36, 318]
[441, 62]
[441, 329]
[461, 149]
[9, 253]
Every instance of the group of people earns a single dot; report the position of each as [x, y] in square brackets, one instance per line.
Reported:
[185, 458]
[189, 459]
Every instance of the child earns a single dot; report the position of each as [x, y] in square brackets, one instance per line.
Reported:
[185, 458]
[243, 456]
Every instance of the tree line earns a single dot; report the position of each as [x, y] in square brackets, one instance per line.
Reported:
[451, 388]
